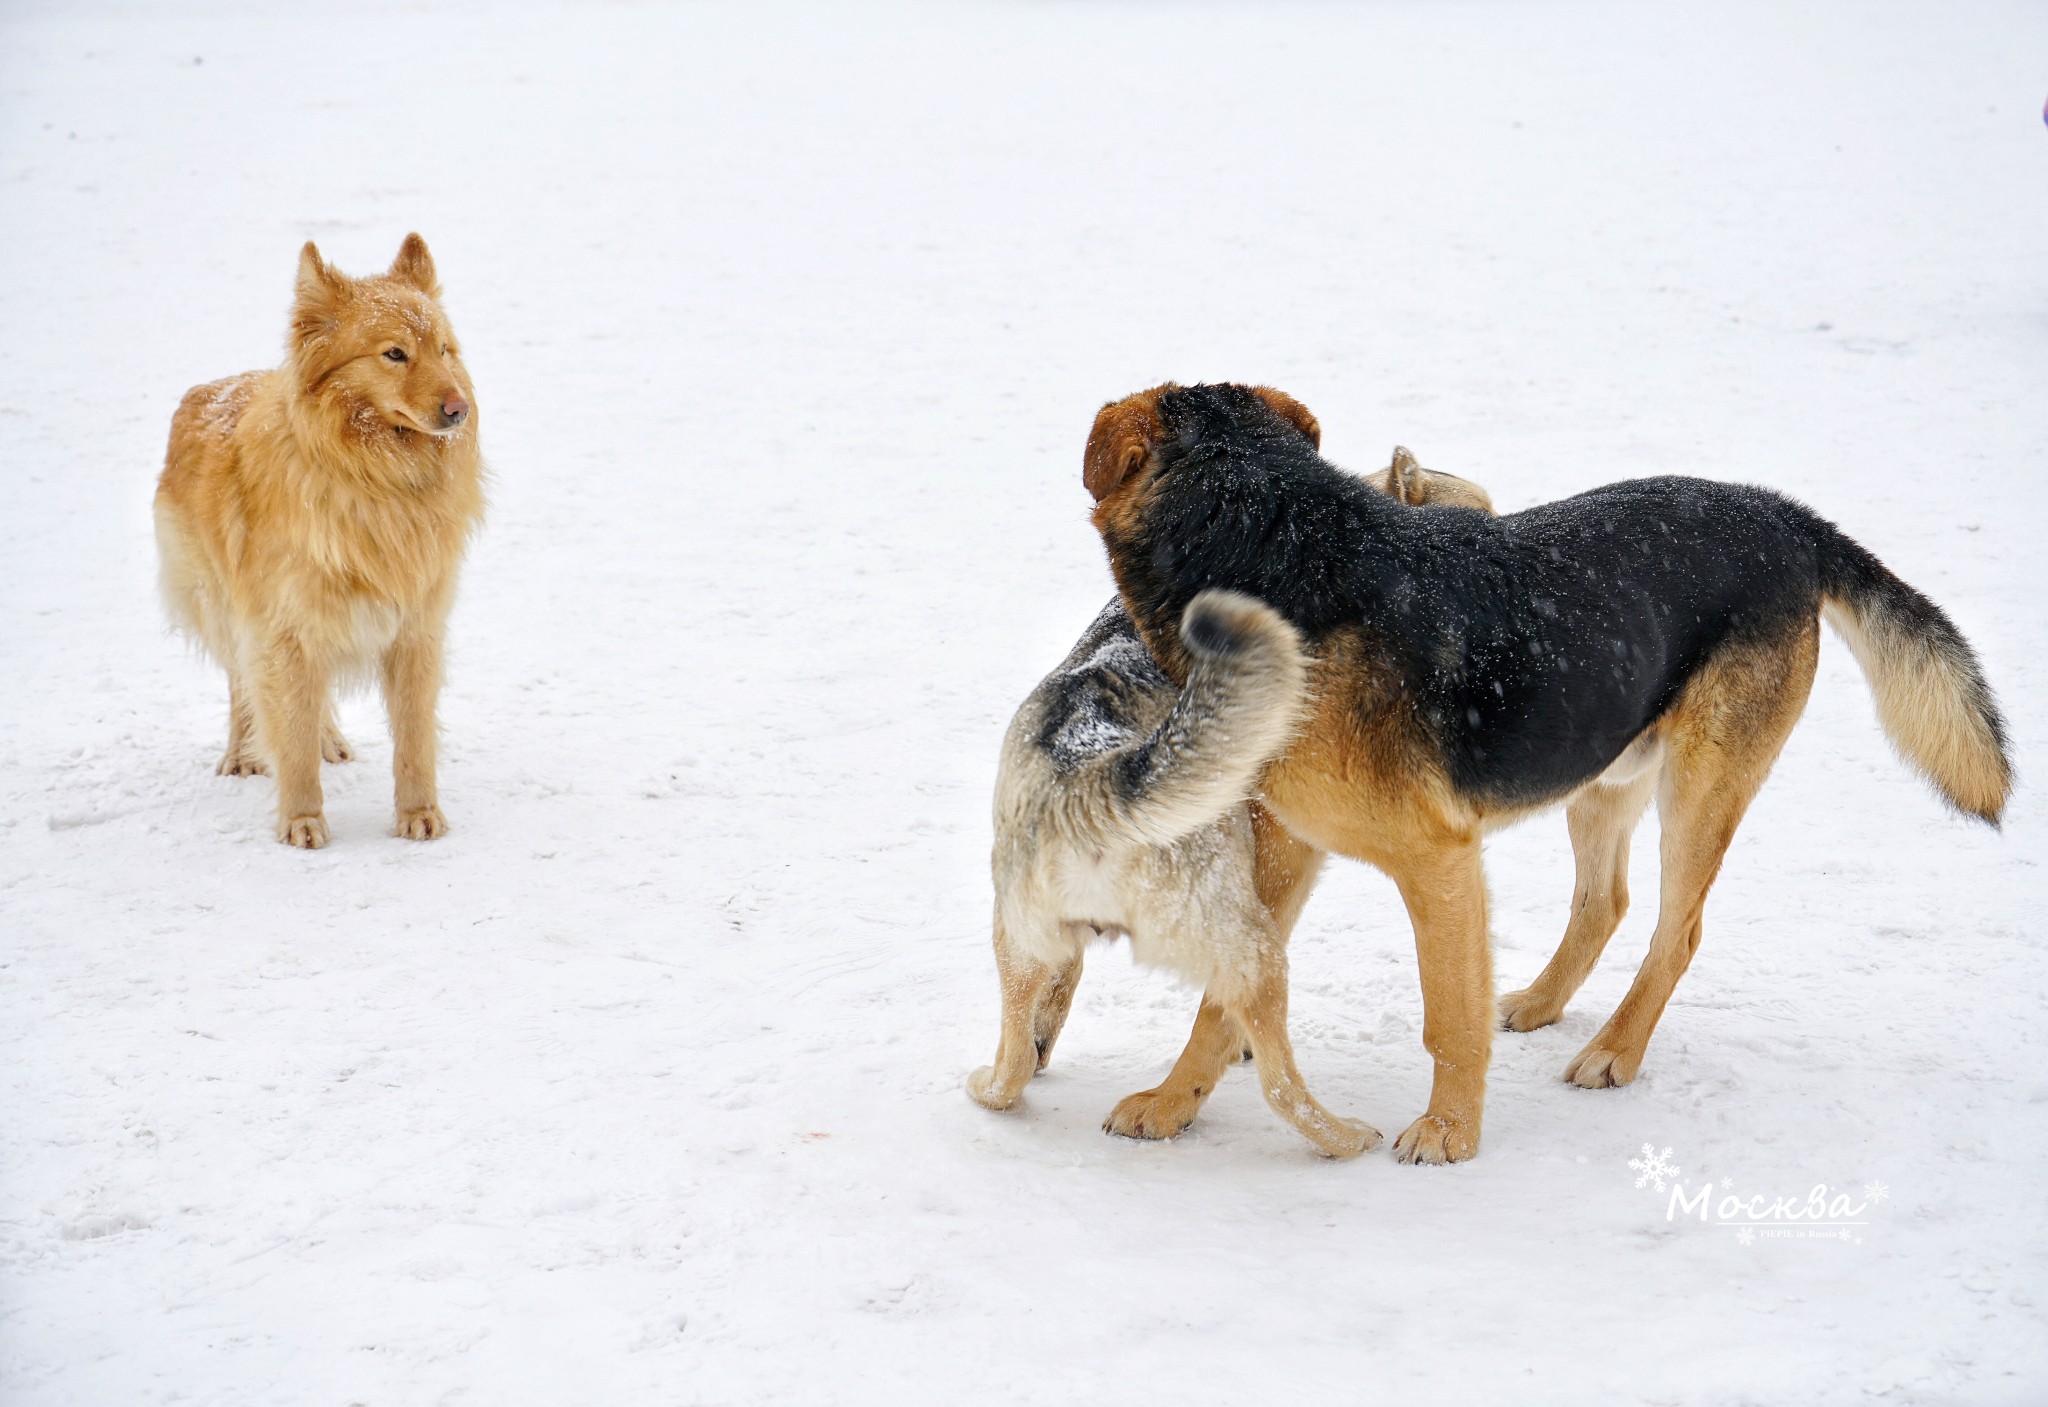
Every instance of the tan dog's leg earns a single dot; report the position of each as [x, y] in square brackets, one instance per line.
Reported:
[1262, 1015]
[1602, 819]
[412, 687]
[290, 694]
[1284, 872]
[1722, 737]
[242, 758]
[1444, 887]
[1026, 983]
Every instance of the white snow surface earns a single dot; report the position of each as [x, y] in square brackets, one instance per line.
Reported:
[644, 1085]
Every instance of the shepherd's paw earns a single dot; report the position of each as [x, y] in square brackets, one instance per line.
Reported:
[1520, 1011]
[1599, 1067]
[1152, 1113]
[1437, 1138]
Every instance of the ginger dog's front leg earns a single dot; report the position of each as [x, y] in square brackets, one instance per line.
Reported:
[291, 694]
[412, 690]
[1444, 887]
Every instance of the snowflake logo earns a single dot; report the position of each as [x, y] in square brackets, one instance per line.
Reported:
[1654, 1167]
[1876, 1191]
[1745, 1235]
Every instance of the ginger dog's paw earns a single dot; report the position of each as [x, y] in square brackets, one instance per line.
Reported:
[1601, 1067]
[1152, 1113]
[240, 764]
[1520, 1011]
[334, 747]
[981, 1088]
[1347, 1138]
[1437, 1138]
[421, 823]
[304, 832]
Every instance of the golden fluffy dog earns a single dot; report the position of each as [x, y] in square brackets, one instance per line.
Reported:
[310, 520]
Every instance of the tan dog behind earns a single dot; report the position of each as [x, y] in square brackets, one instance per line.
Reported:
[310, 521]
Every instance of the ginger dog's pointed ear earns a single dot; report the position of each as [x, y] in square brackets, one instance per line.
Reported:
[414, 265]
[1123, 436]
[314, 315]
[1293, 412]
[317, 283]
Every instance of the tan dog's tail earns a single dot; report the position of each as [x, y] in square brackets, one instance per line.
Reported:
[1246, 690]
[1931, 694]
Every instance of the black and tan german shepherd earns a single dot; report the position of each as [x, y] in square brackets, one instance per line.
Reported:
[1651, 638]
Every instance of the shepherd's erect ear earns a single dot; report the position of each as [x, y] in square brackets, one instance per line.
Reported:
[414, 265]
[1291, 411]
[1123, 436]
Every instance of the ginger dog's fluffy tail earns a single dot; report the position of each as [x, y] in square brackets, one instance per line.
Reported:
[1931, 694]
[1246, 691]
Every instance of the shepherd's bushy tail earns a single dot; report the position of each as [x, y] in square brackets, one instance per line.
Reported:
[1931, 695]
[1245, 694]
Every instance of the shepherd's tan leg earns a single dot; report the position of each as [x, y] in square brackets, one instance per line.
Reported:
[1444, 887]
[1602, 819]
[290, 693]
[1025, 983]
[243, 758]
[1284, 873]
[1722, 737]
[412, 688]
[1170, 1108]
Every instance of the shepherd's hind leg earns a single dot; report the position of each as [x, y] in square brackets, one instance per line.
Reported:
[1602, 821]
[1026, 982]
[1721, 739]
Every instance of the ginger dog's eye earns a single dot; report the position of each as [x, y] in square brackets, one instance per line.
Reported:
[395, 354]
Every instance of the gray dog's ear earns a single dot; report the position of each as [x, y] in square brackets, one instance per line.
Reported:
[414, 265]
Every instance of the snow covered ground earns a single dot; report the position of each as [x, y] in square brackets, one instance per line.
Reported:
[787, 325]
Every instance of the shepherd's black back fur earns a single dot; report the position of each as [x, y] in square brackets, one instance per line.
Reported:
[1534, 647]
